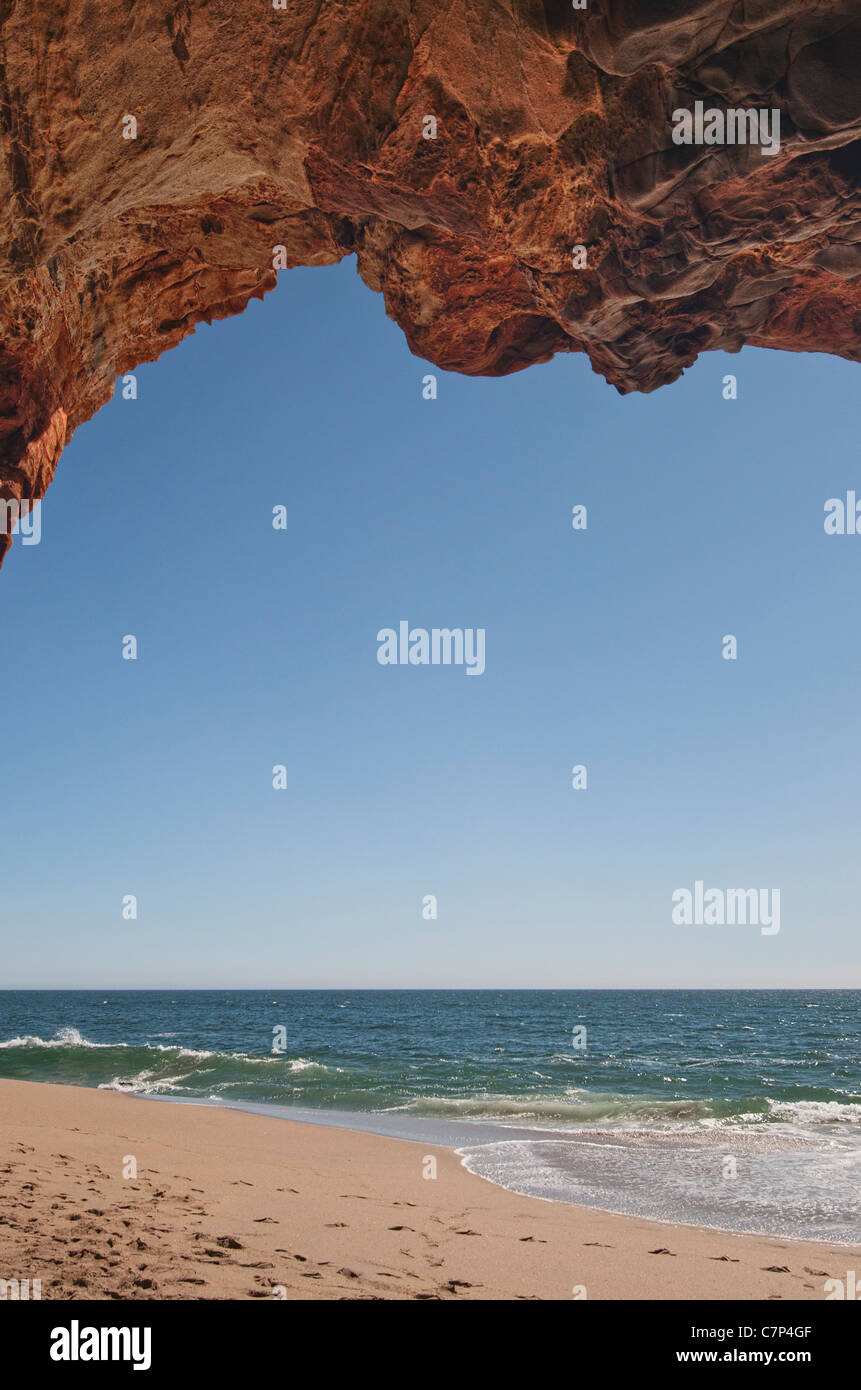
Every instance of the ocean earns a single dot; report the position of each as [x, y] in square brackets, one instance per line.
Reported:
[738, 1110]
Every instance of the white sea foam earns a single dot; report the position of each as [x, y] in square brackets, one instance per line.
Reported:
[144, 1084]
[71, 1037]
[64, 1037]
[815, 1112]
[782, 1185]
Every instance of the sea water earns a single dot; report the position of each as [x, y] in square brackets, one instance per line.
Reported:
[739, 1110]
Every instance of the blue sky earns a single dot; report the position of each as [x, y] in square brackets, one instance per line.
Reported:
[603, 647]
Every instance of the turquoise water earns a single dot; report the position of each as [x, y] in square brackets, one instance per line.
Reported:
[644, 1117]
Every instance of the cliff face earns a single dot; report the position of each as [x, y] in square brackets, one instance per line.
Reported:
[305, 128]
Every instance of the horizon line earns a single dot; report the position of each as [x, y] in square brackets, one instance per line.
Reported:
[427, 989]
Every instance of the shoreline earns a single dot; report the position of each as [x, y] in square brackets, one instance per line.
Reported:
[224, 1203]
[336, 1119]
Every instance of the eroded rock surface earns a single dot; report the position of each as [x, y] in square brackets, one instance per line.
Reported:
[303, 128]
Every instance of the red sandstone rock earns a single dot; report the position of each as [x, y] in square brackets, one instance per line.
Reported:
[302, 128]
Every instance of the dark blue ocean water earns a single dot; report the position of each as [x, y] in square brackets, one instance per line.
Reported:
[733, 1109]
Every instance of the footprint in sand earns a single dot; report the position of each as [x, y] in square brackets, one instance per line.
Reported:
[663, 1251]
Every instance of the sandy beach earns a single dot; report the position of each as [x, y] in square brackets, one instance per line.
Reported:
[229, 1205]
